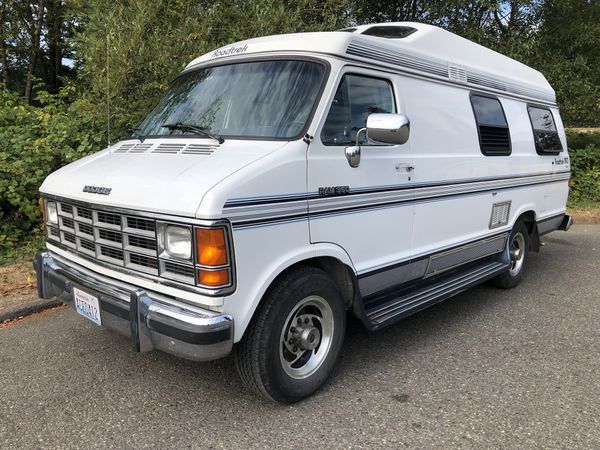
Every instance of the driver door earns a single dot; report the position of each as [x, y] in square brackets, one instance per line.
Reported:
[366, 210]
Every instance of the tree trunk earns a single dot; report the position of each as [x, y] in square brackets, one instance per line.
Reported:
[34, 50]
[54, 22]
[3, 49]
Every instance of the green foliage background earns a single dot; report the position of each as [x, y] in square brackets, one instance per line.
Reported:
[123, 55]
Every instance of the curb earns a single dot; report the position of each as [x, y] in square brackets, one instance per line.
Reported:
[28, 308]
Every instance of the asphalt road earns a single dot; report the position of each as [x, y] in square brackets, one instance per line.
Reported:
[487, 369]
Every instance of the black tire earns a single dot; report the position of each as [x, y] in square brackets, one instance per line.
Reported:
[513, 276]
[260, 357]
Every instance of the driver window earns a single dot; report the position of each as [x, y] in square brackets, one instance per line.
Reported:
[357, 97]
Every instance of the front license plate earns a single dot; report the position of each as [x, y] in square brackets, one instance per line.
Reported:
[87, 305]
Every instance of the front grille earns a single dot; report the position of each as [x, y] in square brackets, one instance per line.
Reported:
[120, 240]
[67, 209]
[141, 242]
[109, 235]
[141, 224]
[108, 218]
[177, 272]
[143, 261]
[84, 228]
[84, 213]
[110, 252]
[116, 239]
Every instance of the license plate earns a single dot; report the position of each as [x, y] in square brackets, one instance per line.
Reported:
[87, 305]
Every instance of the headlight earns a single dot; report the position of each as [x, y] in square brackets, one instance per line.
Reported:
[178, 242]
[51, 213]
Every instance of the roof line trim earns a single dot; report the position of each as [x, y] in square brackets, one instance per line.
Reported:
[444, 71]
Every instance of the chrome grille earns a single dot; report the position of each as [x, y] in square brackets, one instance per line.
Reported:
[177, 272]
[84, 213]
[120, 240]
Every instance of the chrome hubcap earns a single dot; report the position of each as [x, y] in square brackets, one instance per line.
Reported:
[306, 337]
[517, 253]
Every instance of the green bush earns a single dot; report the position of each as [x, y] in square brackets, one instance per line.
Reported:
[585, 174]
[35, 141]
[584, 151]
[579, 140]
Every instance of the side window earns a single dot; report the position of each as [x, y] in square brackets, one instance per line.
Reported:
[357, 97]
[494, 135]
[546, 137]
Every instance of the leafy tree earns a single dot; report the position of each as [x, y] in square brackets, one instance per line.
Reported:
[32, 35]
[129, 53]
[567, 52]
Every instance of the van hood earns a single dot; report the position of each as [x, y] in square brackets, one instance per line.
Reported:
[169, 176]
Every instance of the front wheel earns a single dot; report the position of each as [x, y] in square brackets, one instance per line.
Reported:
[518, 249]
[295, 337]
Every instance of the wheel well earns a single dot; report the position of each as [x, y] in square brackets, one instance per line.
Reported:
[339, 272]
[528, 218]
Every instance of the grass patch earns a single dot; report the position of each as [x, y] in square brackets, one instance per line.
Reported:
[24, 252]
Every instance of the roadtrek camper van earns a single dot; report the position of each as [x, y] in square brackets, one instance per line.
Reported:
[284, 182]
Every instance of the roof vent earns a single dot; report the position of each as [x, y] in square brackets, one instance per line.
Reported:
[389, 32]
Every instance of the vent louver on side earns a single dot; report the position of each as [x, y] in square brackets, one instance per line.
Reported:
[494, 140]
[500, 214]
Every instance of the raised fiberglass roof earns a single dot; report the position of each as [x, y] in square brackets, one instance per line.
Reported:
[409, 47]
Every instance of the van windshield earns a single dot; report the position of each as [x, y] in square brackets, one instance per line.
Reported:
[269, 99]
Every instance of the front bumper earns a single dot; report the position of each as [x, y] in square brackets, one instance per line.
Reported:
[150, 320]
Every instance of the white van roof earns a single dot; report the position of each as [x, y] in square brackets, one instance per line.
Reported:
[421, 49]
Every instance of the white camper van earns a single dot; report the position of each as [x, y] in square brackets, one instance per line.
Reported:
[284, 182]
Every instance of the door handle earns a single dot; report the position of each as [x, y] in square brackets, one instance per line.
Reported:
[406, 167]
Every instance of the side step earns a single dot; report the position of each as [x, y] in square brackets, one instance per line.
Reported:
[390, 308]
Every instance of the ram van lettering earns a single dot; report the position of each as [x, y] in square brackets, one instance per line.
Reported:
[334, 190]
[231, 228]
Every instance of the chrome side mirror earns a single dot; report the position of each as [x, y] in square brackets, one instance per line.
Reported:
[353, 155]
[388, 128]
[353, 152]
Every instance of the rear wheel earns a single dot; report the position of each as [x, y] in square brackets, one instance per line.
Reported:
[294, 339]
[518, 249]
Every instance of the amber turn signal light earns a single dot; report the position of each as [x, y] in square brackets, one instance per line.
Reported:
[213, 278]
[211, 247]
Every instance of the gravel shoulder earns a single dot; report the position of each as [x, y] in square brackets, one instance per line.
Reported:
[17, 285]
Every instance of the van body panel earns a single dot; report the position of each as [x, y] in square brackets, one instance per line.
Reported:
[163, 183]
[414, 223]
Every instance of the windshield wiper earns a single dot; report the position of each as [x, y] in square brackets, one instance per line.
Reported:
[194, 129]
[135, 132]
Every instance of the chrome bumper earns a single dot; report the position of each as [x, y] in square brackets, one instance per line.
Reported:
[566, 223]
[150, 320]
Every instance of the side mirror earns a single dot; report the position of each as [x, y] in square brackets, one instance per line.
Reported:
[385, 128]
[388, 128]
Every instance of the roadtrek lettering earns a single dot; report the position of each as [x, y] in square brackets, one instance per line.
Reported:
[229, 51]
